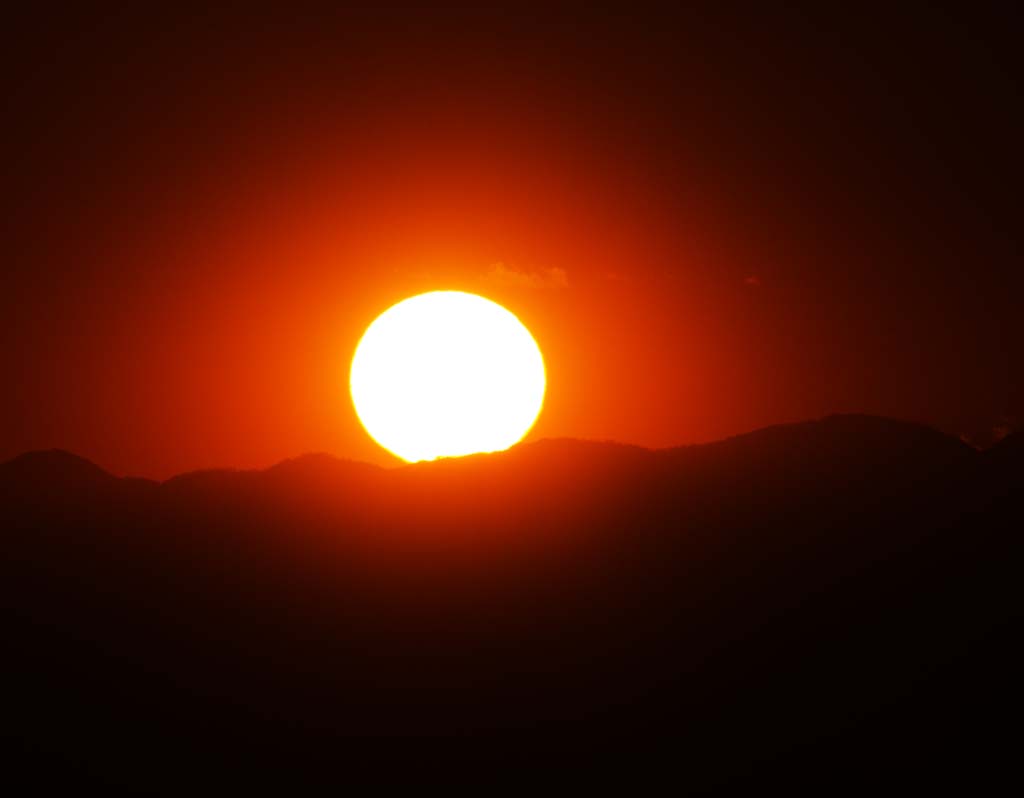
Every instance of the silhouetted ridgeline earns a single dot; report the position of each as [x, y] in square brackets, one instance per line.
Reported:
[834, 598]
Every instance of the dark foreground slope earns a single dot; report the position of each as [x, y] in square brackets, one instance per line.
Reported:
[830, 600]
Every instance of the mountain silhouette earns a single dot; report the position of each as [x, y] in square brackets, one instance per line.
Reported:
[829, 597]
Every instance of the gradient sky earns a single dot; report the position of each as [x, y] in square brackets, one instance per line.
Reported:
[709, 224]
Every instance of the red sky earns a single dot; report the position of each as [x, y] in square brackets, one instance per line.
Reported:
[710, 225]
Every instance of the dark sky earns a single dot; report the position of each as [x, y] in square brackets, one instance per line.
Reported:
[710, 223]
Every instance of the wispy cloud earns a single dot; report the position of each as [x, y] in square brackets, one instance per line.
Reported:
[503, 274]
[1007, 426]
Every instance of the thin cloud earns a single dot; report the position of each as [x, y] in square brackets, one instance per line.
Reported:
[1006, 426]
[505, 275]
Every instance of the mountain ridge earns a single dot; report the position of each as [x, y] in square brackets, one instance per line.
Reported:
[800, 594]
[73, 462]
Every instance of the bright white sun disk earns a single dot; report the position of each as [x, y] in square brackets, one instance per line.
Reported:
[447, 374]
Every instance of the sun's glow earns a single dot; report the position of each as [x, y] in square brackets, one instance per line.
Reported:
[447, 374]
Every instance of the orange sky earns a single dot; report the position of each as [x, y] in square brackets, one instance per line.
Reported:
[699, 249]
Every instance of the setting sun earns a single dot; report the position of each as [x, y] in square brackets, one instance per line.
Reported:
[446, 374]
